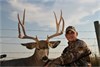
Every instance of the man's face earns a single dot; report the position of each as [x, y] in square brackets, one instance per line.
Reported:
[71, 35]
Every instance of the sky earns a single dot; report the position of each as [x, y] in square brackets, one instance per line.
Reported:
[40, 21]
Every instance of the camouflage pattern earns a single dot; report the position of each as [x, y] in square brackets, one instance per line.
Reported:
[76, 54]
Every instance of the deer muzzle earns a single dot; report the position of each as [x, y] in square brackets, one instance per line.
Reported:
[45, 59]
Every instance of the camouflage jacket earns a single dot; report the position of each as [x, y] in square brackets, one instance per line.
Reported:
[76, 54]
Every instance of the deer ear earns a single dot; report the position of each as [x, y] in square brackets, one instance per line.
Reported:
[30, 45]
[54, 44]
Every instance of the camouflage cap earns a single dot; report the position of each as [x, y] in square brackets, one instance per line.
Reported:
[70, 28]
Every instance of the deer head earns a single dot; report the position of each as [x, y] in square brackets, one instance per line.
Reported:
[41, 46]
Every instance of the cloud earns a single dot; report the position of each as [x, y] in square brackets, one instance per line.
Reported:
[93, 17]
[87, 1]
[34, 13]
[84, 9]
[40, 12]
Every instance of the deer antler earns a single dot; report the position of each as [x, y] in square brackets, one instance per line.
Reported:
[57, 27]
[23, 29]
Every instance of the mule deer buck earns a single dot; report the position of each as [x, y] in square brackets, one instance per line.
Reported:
[40, 55]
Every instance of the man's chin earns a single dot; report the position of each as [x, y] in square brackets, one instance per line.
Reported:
[71, 40]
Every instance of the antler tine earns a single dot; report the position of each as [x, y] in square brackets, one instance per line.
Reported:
[56, 22]
[23, 29]
[19, 26]
[60, 18]
[62, 25]
[62, 21]
[57, 27]
[24, 17]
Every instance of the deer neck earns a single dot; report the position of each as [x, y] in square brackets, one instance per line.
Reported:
[37, 60]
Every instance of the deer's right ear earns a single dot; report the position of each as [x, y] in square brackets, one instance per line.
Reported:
[30, 45]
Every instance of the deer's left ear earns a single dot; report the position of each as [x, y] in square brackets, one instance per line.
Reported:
[54, 44]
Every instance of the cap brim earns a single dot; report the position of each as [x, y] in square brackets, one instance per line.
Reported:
[70, 30]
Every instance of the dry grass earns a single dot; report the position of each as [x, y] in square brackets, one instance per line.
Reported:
[95, 60]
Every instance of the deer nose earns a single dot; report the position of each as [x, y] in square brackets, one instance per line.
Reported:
[45, 58]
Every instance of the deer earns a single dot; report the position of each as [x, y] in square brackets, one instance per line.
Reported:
[40, 56]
